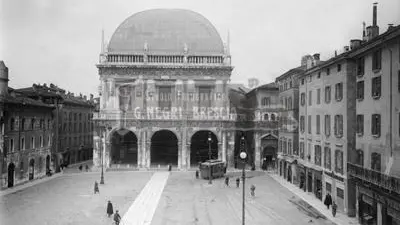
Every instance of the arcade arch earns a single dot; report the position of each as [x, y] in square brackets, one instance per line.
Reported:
[164, 148]
[200, 147]
[124, 147]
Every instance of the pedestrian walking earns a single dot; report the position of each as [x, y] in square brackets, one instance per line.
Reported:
[227, 181]
[169, 167]
[110, 210]
[197, 174]
[252, 190]
[328, 200]
[96, 187]
[87, 168]
[334, 207]
[80, 168]
[237, 182]
[117, 217]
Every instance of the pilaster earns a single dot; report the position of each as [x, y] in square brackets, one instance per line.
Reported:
[257, 155]
[183, 145]
[224, 146]
[231, 151]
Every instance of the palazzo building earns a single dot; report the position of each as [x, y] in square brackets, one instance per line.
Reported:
[164, 93]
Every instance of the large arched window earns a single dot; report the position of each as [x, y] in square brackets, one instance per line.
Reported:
[266, 117]
[273, 117]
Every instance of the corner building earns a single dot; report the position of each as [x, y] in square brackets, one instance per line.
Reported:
[164, 93]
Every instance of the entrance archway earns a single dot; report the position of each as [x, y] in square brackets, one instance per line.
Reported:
[268, 157]
[31, 169]
[11, 172]
[124, 147]
[164, 148]
[200, 147]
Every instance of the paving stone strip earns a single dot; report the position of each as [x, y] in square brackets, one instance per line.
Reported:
[142, 210]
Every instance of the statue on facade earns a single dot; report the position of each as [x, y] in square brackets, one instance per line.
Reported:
[146, 46]
[185, 49]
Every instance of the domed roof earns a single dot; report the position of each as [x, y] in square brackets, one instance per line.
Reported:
[167, 31]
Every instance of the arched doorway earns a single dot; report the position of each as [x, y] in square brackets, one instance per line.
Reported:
[47, 162]
[164, 148]
[124, 147]
[11, 172]
[200, 147]
[268, 158]
[31, 169]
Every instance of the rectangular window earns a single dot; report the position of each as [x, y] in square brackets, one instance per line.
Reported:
[376, 161]
[318, 124]
[302, 150]
[339, 91]
[205, 97]
[376, 124]
[317, 155]
[318, 96]
[360, 90]
[327, 94]
[360, 157]
[339, 67]
[302, 81]
[11, 145]
[360, 66]
[309, 97]
[319, 75]
[339, 161]
[22, 143]
[309, 124]
[340, 193]
[377, 60]
[328, 187]
[327, 158]
[302, 124]
[376, 87]
[303, 98]
[338, 125]
[360, 124]
[328, 125]
[328, 71]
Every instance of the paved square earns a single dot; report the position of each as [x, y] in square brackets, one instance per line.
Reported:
[69, 199]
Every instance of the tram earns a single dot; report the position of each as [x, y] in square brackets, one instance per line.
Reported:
[217, 167]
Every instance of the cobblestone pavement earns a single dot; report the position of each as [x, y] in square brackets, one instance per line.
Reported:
[69, 199]
[186, 200]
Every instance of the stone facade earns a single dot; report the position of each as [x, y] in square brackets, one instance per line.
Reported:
[288, 151]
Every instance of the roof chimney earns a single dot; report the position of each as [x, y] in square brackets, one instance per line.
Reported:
[346, 48]
[374, 15]
[316, 56]
[355, 43]
[390, 26]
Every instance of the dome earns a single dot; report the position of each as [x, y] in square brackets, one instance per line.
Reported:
[166, 31]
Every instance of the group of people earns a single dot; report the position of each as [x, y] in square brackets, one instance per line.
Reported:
[252, 187]
[110, 210]
[86, 167]
[328, 201]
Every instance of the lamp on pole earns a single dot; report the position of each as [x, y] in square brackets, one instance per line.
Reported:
[101, 157]
[243, 156]
[209, 157]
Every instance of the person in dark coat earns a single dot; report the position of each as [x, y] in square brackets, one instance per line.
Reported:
[237, 182]
[110, 210]
[87, 168]
[96, 187]
[197, 174]
[227, 181]
[80, 168]
[117, 217]
[328, 200]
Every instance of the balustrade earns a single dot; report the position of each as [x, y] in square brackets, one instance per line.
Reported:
[374, 177]
[164, 59]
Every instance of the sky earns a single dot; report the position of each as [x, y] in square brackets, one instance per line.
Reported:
[55, 41]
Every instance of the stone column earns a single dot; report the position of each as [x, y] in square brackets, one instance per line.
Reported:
[148, 150]
[143, 159]
[139, 149]
[180, 155]
[231, 150]
[183, 147]
[188, 151]
[257, 150]
[224, 150]
[96, 151]
[379, 214]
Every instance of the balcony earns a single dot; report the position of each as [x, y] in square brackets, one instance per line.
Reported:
[374, 177]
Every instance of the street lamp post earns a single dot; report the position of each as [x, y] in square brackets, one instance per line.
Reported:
[243, 156]
[209, 157]
[101, 157]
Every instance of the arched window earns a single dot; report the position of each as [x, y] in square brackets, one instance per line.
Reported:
[32, 124]
[266, 117]
[264, 101]
[23, 124]
[32, 142]
[273, 117]
[12, 124]
[268, 101]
